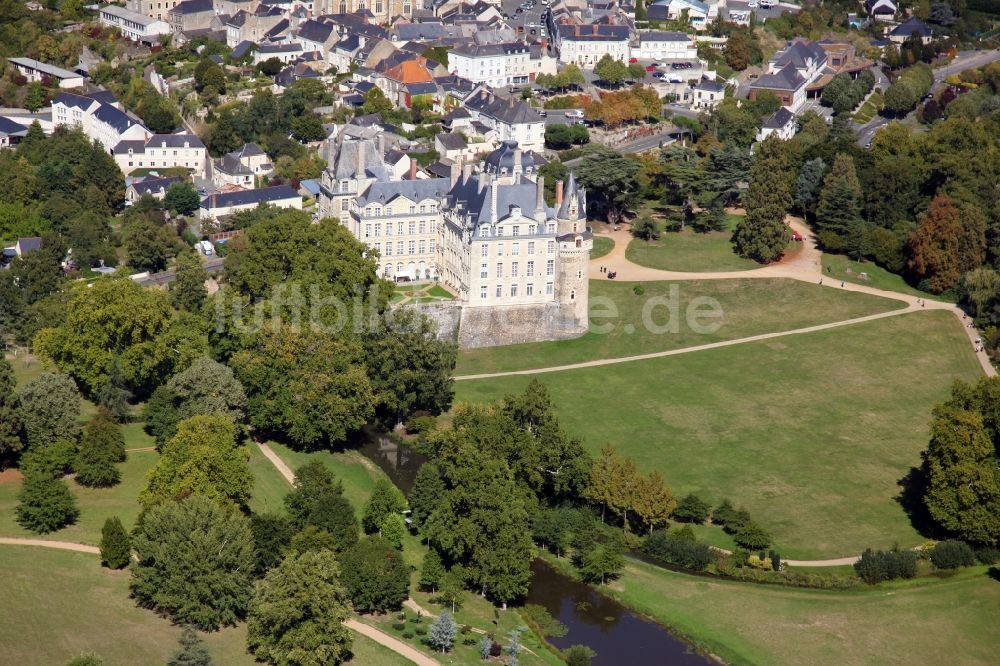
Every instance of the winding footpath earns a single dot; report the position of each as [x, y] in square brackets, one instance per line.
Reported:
[803, 264]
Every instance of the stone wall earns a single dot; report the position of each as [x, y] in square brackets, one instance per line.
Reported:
[502, 325]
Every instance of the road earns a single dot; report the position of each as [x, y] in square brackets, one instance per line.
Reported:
[212, 264]
[966, 60]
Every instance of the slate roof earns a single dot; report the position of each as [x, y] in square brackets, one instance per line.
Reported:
[242, 48]
[414, 190]
[316, 31]
[74, 101]
[910, 26]
[193, 7]
[488, 50]
[417, 31]
[511, 112]
[784, 79]
[663, 36]
[428, 88]
[25, 245]
[778, 119]
[593, 33]
[452, 141]
[709, 85]
[231, 164]
[9, 128]
[281, 47]
[118, 120]
[798, 53]
[249, 197]
[154, 184]
[480, 204]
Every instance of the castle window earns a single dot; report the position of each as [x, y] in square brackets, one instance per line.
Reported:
[482, 291]
[513, 290]
[551, 228]
[513, 270]
[579, 274]
[483, 232]
[572, 295]
[413, 228]
[422, 246]
[517, 230]
[485, 250]
[423, 227]
[531, 269]
[499, 249]
[499, 270]
[579, 243]
[413, 209]
[499, 290]
[548, 288]
[531, 247]
[399, 248]
[368, 231]
[483, 272]
[516, 248]
[552, 247]
[550, 267]
[378, 229]
[529, 289]
[432, 245]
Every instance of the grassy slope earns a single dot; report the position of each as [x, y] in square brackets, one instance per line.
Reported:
[750, 307]
[46, 589]
[602, 246]
[688, 250]
[932, 622]
[810, 432]
[840, 267]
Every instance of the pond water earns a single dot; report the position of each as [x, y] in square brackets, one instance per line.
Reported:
[616, 634]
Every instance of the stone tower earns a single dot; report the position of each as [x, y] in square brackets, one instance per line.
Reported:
[575, 241]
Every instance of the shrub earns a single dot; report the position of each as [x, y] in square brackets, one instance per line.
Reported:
[638, 290]
[420, 631]
[418, 425]
[407, 635]
[723, 513]
[877, 566]
[677, 550]
[988, 555]
[692, 509]
[399, 626]
[46, 504]
[54, 460]
[952, 555]
[116, 548]
[751, 535]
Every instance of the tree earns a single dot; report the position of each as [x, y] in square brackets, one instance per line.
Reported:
[579, 655]
[934, 246]
[431, 571]
[192, 650]
[182, 198]
[611, 71]
[737, 51]
[375, 575]
[601, 561]
[610, 179]
[808, 184]
[148, 245]
[376, 102]
[116, 547]
[188, 291]
[410, 369]
[298, 611]
[90, 338]
[204, 457]
[428, 489]
[101, 446]
[762, 234]
[646, 228]
[654, 501]
[316, 500]
[113, 396]
[384, 501]
[50, 409]
[195, 562]
[393, 530]
[204, 388]
[840, 200]
[272, 533]
[692, 509]
[11, 417]
[603, 474]
[308, 128]
[752, 536]
[441, 634]
[963, 493]
[35, 97]
[46, 504]
[636, 71]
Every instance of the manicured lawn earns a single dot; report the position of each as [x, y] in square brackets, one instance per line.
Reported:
[749, 307]
[840, 267]
[809, 432]
[269, 486]
[690, 251]
[868, 110]
[602, 246]
[948, 621]
[58, 604]
[357, 473]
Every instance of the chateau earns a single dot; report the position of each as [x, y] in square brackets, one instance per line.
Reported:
[519, 267]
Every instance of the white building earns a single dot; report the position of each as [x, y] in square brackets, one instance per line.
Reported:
[707, 94]
[286, 52]
[99, 117]
[33, 70]
[781, 123]
[135, 26]
[489, 237]
[660, 45]
[512, 119]
[162, 151]
[219, 205]
[499, 65]
[585, 45]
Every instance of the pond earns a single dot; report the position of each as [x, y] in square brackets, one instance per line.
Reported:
[616, 634]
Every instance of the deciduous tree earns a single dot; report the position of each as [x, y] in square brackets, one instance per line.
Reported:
[50, 409]
[46, 504]
[934, 246]
[375, 575]
[11, 417]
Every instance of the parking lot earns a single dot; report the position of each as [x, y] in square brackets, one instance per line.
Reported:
[528, 19]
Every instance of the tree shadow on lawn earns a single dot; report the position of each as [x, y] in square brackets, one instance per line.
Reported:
[913, 486]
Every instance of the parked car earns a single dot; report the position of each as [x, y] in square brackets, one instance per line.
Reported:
[658, 75]
[632, 60]
[753, 4]
[574, 113]
[766, 4]
[674, 79]
[543, 113]
[650, 68]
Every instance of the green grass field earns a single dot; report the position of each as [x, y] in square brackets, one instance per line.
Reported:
[57, 604]
[809, 432]
[949, 621]
[749, 307]
[840, 267]
[602, 247]
[690, 251]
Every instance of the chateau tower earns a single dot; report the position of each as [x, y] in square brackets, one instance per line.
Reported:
[575, 241]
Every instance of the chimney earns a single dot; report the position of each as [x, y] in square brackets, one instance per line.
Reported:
[381, 145]
[517, 159]
[456, 170]
[413, 169]
[466, 172]
[361, 158]
[484, 179]
[540, 196]
[559, 192]
[594, 29]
